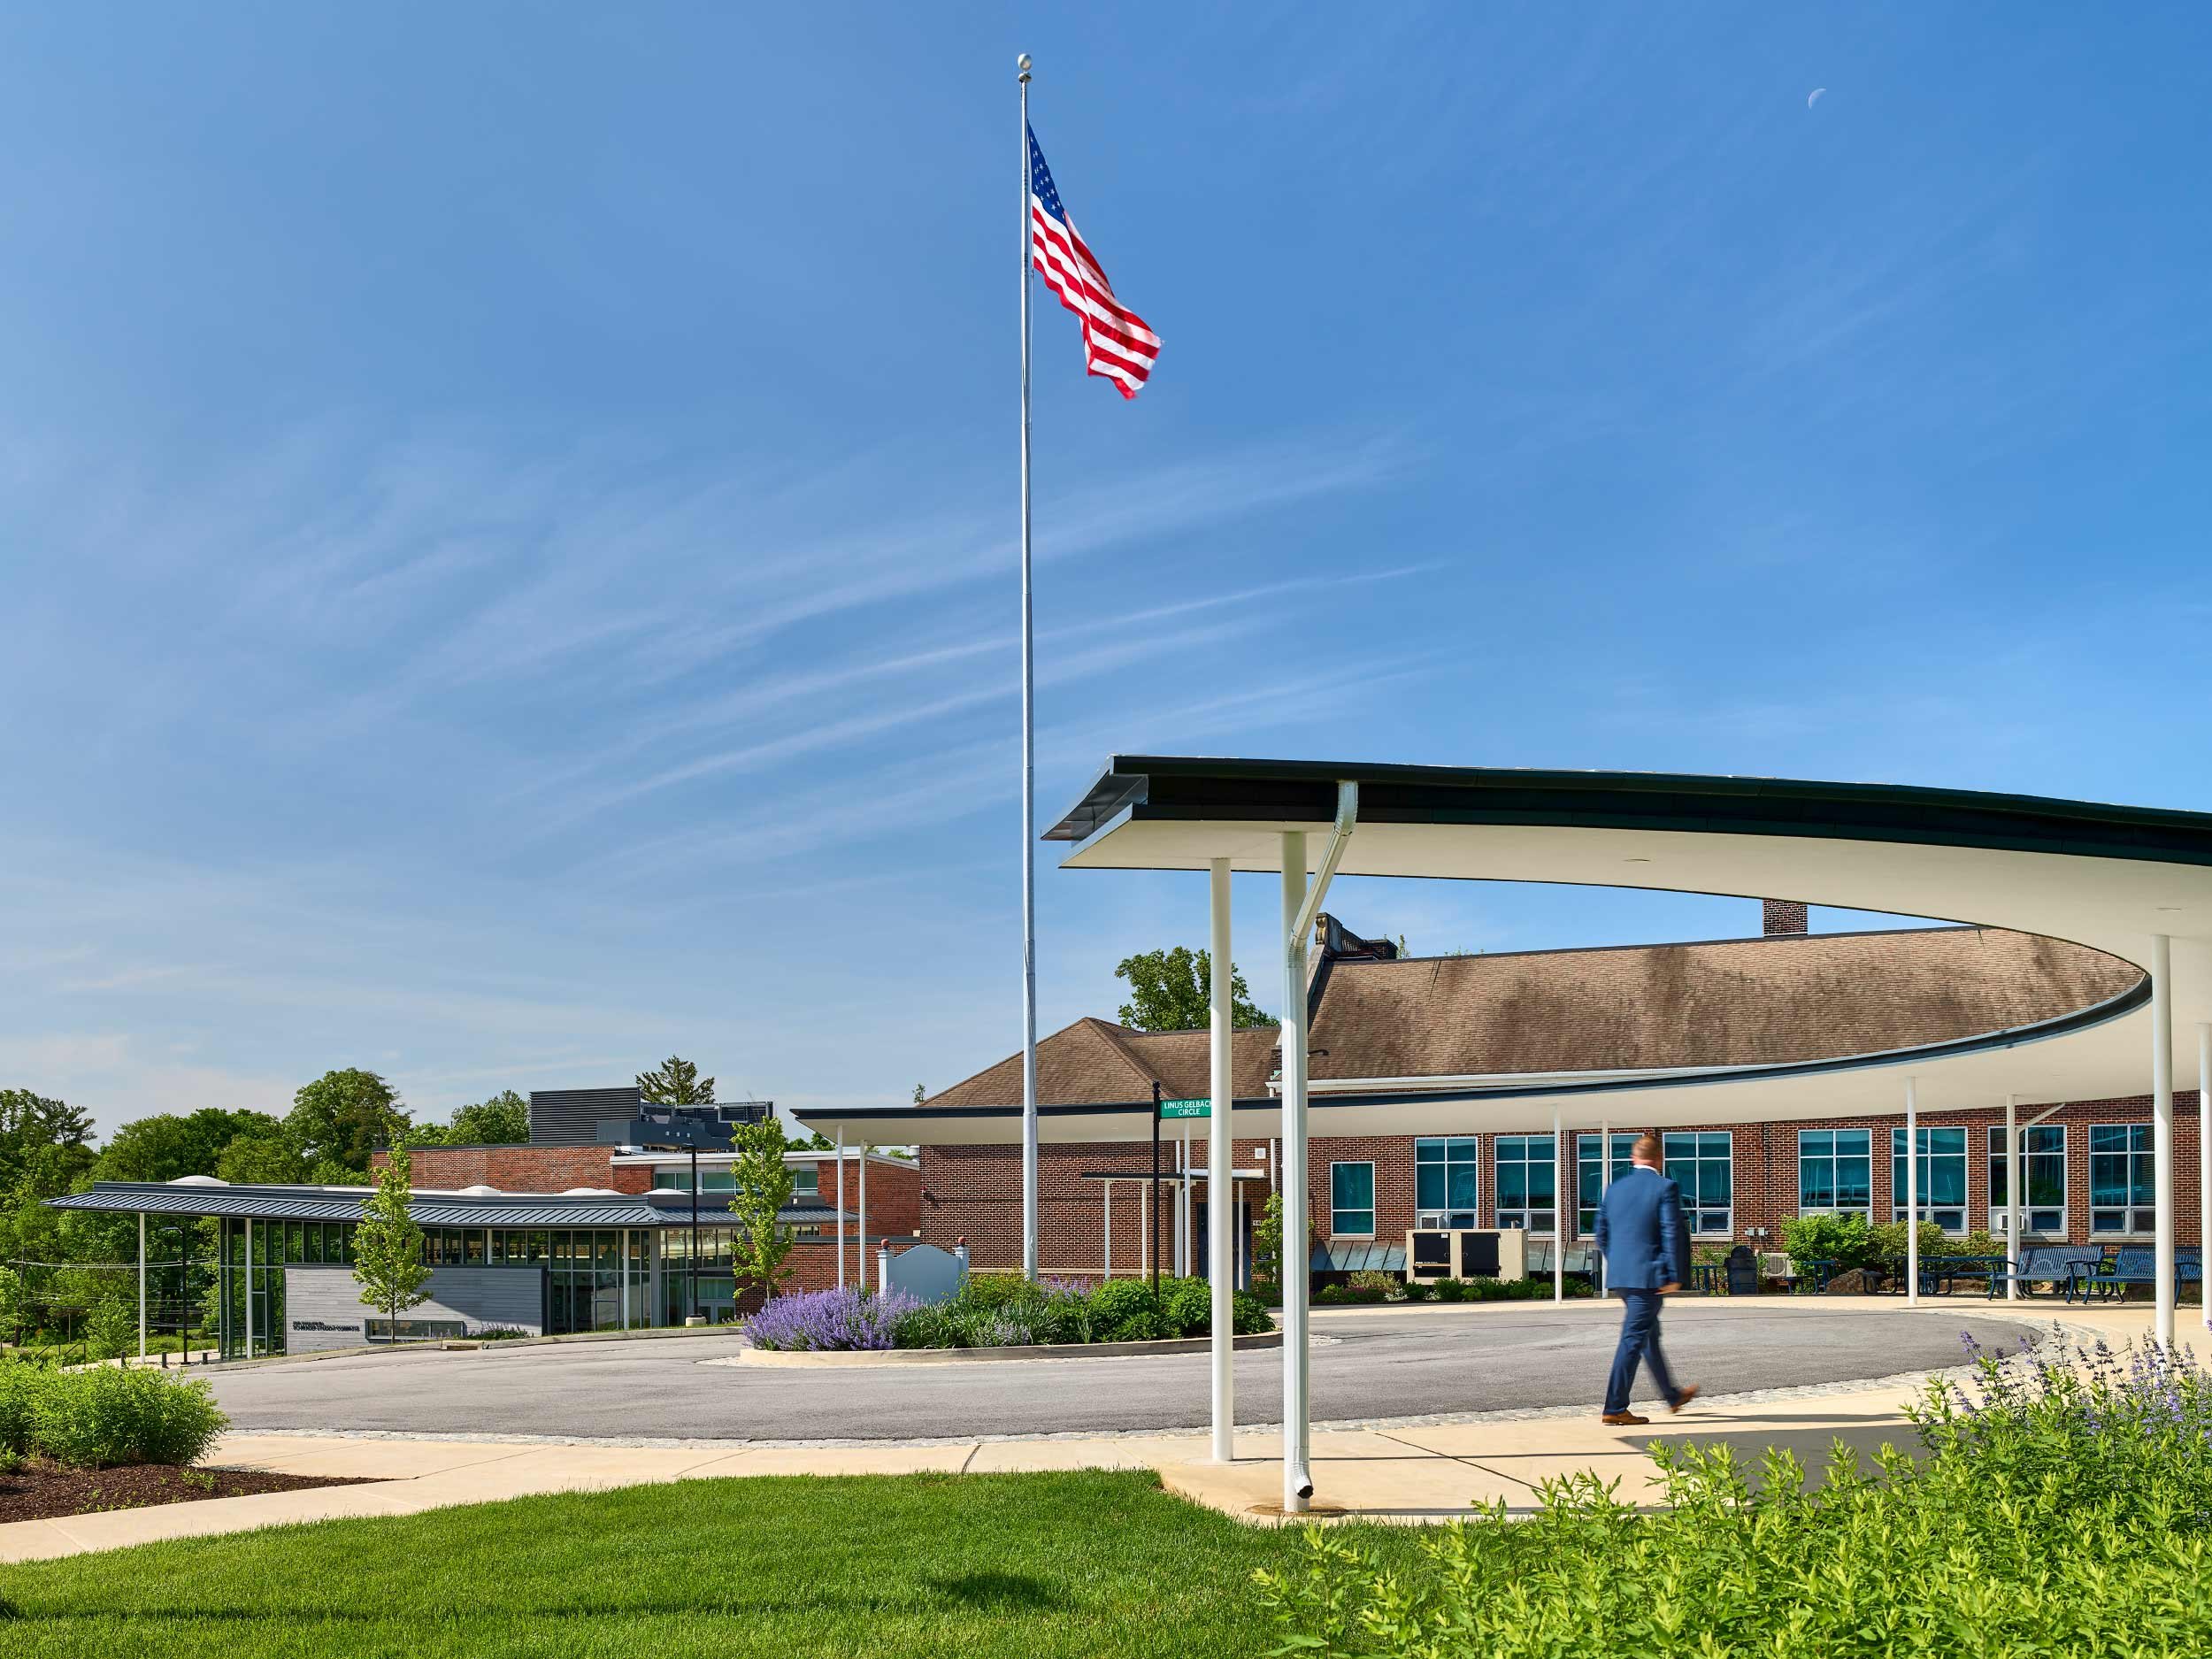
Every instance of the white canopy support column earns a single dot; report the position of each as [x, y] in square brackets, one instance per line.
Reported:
[1108, 1185]
[1598, 1278]
[1560, 1194]
[2013, 1204]
[2204, 1167]
[840, 1206]
[1302, 903]
[1912, 1192]
[1297, 1247]
[1221, 1174]
[2162, 1131]
[141, 1284]
[860, 1256]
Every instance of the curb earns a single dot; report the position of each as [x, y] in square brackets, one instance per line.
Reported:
[839, 1358]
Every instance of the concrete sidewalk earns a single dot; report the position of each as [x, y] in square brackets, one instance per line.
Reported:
[1424, 1472]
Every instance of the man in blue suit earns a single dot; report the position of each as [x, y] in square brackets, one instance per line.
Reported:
[1647, 1252]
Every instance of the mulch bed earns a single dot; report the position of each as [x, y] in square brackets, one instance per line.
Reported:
[42, 1491]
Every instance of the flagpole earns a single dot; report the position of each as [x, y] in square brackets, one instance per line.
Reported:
[1029, 764]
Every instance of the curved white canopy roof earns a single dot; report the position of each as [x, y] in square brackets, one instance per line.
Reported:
[2111, 878]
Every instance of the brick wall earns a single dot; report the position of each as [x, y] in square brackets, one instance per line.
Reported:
[523, 1169]
[975, 1191]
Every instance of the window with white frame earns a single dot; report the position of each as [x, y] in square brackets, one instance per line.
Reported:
[1942, 1178]
[1703, 1163]
[1351, 1201]
[2121, 1174]
[1524, 1176]
[1590, 1176]
[1835, 1171]
[2042, 1181]
[1444, 1181]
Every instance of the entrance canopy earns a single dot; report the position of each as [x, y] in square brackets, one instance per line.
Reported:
[2113, 878]
[2108, 877]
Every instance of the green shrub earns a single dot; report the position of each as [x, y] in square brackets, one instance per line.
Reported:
[2064, 1508]
[1451, 1289]
[1186, 1306]
[111, 1329]
[1122, 1310]
[108, 1415]
[1387, 1284]
[1416, 1290]
[22, 1384]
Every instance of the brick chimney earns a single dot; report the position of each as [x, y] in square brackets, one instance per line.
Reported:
[1783, 916]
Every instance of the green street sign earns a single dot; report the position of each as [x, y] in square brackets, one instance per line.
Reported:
[1187, 1109]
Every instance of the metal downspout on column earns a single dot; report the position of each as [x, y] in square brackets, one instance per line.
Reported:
[1558, 1214]
[2012, 1197]
[1220, 1174]
[1299, 913]
[1912, 1192]
[840, 1206]
[2162, 1131]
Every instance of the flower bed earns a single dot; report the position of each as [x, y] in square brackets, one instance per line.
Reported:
[998, 1311]
[2062, 1505]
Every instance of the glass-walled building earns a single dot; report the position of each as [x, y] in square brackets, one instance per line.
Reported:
[550, 1264]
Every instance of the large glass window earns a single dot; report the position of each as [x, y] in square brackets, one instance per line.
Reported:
[1589, 1176]
[1703, 1163]
[2120, 1178]
[1444, 1181]
[1351, 1201]
[1526, 1179]
[2042, 1181]
[1942, 1178]
[1835, 1171]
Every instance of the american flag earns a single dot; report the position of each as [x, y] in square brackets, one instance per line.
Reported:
[1116, 342]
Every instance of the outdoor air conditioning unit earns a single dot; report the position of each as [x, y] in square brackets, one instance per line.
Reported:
[1435, 1253]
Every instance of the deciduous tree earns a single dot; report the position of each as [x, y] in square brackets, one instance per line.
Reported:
[342, 1115]
[388, 1245]
[760, 1187]
[1172, 990]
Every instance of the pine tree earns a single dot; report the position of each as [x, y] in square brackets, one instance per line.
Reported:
[676, 1083]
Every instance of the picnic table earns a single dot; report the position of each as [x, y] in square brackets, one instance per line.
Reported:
[1939, 1273]
[1814, 1273]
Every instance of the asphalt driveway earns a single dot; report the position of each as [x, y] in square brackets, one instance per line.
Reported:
[1394, 1363]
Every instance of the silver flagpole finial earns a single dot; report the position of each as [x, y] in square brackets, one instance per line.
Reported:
[1022, 64]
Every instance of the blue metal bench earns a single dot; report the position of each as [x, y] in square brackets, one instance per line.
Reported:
[2052, 1265]
[1939, 1273]
[2137, 1265]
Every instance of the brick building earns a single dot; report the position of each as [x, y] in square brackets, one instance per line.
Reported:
[1781, 998]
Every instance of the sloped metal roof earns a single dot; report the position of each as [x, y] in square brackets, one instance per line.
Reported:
[1338, 1257]
[430, 1209]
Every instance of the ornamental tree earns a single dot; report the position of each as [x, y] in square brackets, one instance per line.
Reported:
[388, 1245]
[761, 1186]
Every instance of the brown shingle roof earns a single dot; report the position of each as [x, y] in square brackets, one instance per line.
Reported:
[1744, 1002]
[1094, 1062]
[1747, 1002]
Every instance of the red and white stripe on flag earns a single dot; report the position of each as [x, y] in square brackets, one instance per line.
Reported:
[1115, 341]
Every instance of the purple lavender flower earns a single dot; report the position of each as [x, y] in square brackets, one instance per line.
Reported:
[845, 1318]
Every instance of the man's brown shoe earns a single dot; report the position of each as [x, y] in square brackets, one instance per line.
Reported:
[1683, 1398]
[1623, 1420]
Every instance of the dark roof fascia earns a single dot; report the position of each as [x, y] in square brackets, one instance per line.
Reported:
[1189, 789]
[1080, 1109]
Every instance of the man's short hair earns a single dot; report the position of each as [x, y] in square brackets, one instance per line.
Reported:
[1647, 1148]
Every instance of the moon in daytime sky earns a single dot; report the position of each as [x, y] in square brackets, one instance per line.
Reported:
[1815, 96]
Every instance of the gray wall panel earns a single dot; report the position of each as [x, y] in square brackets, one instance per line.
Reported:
[323, 1307]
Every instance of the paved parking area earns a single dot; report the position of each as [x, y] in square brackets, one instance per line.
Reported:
[1384, 1364]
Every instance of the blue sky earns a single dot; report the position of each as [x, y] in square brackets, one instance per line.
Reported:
[509, 510]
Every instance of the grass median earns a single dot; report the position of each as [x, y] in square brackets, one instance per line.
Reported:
[1090, 1563]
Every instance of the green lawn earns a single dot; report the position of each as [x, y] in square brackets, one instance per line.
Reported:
[1088, 1563]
